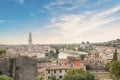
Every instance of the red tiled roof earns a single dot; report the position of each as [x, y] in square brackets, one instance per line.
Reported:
[63, 61]
[76, 63]
[57, 67]
[42, 65]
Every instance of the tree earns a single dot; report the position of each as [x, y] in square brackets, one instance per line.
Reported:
[80, 49]
[51, 54]
[40, 78]
[83, 42]
[107, 66]
[89, 76]
[115, 68]
[88, 67]
[82, 56]
[4, 77]
[115, 55]
[78, 74]
[88, 42]
[57, 52]
[52, 77]
[2, 53]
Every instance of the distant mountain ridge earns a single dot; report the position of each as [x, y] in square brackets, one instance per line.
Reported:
[112, 43]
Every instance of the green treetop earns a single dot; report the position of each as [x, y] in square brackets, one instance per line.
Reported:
[115, 68]
[2, 53]
[78, 74]
[4, 77]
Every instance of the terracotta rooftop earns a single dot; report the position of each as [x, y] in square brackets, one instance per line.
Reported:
[63, 61]
[73, 58]
[42, 65]
[58, 67]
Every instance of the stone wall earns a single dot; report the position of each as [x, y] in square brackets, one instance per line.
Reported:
[4, 67]
[20, 68]
[26, 69]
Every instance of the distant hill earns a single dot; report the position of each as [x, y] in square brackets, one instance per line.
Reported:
[112, 43]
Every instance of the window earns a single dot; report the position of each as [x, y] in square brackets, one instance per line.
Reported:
[48, 77]
[65, 70]
[60, 76]
[60, 71]
[48, 71]
[96, 64]
[54, 71]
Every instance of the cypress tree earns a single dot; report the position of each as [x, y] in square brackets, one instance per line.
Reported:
[115, 55]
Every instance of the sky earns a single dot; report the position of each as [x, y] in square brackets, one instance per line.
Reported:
[59, 21]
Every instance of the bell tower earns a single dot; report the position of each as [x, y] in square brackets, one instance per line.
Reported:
[30, 42]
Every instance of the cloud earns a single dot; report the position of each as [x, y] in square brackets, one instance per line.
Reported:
[60, 4]
[101, 2]
[82, 27]
[21, 1]
[12, 29]
[88, 12]
[2, 21]
[32, 14]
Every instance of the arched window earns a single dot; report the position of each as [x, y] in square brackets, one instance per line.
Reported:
[60, 76]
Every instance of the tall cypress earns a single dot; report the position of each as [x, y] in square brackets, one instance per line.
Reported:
[115, 55]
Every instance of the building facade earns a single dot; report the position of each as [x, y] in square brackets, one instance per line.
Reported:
[57, 71]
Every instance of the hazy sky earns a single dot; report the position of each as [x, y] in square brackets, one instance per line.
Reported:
[59, 21]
